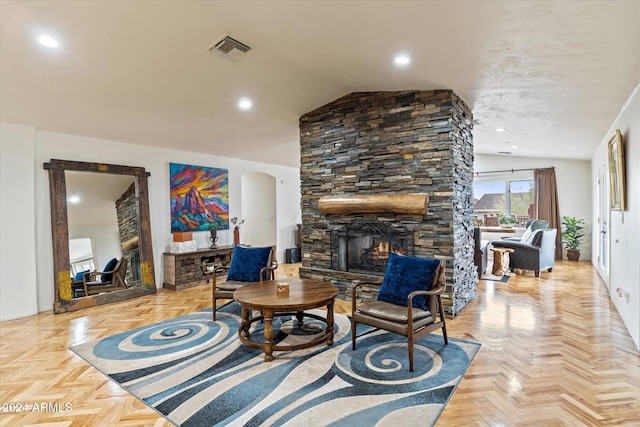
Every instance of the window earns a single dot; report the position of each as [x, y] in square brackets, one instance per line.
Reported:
[514, 198]
[81, 255]
[84, 265]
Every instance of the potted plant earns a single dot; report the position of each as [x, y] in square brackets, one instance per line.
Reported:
[572, 235]
[508, 221]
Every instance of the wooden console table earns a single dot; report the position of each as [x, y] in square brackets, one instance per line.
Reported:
[184, 270]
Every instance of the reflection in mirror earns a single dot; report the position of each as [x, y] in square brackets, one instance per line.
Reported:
[102, 209]
[100, 222]
[81, 257]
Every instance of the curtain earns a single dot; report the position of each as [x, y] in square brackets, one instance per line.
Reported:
[547, 203]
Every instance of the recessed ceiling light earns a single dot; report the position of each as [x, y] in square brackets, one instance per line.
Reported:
[500, 129]
[514, 146]
[74, 199]
[245, 104]
[48, 41]
[402, 60]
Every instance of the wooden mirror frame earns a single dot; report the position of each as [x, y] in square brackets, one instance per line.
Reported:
[63, 300]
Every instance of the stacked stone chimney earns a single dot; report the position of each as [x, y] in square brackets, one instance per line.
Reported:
[127, 214]
[392, 143]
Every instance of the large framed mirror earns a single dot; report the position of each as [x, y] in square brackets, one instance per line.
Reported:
[101, 229]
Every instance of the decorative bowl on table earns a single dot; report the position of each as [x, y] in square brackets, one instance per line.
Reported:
[282, 287]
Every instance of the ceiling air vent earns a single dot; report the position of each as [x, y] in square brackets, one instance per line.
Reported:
[229, 47]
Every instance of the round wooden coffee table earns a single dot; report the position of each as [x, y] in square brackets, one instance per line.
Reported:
[304, 294]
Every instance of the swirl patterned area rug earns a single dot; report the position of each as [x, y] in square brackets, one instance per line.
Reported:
[195, 372]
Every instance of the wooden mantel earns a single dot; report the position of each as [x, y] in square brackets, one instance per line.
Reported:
[408, 204]
[130, 244]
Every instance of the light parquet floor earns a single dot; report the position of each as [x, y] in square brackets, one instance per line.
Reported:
[554, 353]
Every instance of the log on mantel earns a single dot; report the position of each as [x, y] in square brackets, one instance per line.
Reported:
[408, 204]
[130, 244]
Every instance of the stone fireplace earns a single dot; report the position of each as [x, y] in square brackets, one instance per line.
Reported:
[127, 214]
[390, 149]
[363, 246]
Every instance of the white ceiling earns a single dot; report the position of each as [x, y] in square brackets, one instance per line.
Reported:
[555, 74]
[98, 193]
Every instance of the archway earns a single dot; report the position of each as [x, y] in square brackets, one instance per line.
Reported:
[258, 209]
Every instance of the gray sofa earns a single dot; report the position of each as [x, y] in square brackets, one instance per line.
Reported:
[479, 251]
[537, 255]
[535, 224]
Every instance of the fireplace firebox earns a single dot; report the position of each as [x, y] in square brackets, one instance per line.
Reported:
[364, 246]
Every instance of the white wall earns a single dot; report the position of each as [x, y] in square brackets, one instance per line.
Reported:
[573, 178]
[17, 219]
[624, 227]
[33, 263]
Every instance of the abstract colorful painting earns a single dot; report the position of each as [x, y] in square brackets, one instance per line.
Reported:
[199, 198]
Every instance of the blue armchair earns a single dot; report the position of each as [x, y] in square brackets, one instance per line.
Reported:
[537, 253]
[248, 265]
[409, 300]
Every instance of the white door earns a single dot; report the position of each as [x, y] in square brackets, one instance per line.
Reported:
[602, 263]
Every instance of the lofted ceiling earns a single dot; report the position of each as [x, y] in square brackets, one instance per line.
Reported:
[554, 74]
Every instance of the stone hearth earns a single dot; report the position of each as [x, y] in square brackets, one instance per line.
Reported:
[391, 143]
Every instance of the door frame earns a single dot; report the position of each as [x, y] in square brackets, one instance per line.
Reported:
[603, 214]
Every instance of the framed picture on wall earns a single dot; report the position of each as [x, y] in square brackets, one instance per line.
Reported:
[199, 198]
[616, 172]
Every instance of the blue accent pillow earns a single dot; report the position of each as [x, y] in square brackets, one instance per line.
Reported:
[246, 263]
[80, 274]
[110, 266]
[404, 275]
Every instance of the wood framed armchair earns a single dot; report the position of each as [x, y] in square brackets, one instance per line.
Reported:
[409, 302]
[112, 279]
[248, 265]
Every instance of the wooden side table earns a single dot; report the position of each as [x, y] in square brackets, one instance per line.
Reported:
[501, 261]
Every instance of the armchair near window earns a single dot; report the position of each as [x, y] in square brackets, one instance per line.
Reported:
[408, 301]
[248, 265]
[537, 253]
